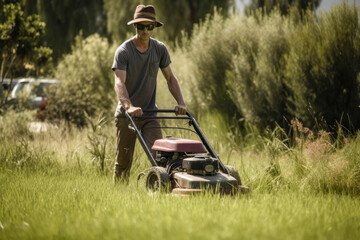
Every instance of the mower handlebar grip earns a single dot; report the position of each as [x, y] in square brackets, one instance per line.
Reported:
[159, 111]
[163, 111]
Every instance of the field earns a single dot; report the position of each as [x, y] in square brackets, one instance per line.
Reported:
[52, 187]
[76, 206]
[271, 78]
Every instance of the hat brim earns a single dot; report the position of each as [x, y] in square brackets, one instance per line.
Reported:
[158, 24]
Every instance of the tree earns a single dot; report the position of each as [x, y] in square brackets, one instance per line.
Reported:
[65, 19]
[19, 43]
[323, 68]
[177, 16]
[268, 5]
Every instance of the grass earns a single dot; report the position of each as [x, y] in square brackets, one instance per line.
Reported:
[75, 206]
[50, 188]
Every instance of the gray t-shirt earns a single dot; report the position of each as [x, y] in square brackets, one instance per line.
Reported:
[141, 71]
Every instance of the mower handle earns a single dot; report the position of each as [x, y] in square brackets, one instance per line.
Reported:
[162, 117]
[192, 122]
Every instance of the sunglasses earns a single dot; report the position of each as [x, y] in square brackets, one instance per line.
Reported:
[149, 27]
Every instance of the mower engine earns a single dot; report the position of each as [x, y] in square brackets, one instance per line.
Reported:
[189, 166]
[184, 155]
[201, 165]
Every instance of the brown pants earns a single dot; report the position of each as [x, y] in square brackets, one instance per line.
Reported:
[126, 143]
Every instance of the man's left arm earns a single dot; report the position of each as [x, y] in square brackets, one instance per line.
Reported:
[175, 90]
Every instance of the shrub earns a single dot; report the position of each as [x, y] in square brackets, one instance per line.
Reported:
[271, 68]
[14, 126]
[209, 54]
[255, 83]
[236, 65]
[70, 104]
[322, 68]
[86, 82]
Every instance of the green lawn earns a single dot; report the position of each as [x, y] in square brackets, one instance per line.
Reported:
[51, 188]
[68, 205]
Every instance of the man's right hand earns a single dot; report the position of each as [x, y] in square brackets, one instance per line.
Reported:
[135, 111]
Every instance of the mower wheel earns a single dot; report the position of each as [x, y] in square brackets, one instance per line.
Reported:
[234, 173]
[157, 179]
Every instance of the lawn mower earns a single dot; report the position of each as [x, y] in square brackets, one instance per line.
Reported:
[185, 166]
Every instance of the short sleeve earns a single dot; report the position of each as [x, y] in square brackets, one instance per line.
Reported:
[120, 59]
[165, 57]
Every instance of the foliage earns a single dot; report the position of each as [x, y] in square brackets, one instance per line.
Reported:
[13, 126]
[97, 141]
[271, 68]
[255, 83]
[322, 68]
[21, 156]
[68, 102]
[318, 164]
[209, 54]
[267, 6]
[301, 160]
[176, 16]
[86, 82]
[20, 47]
[52, 172]
[235, 65]
[118, 14]
[65, 19]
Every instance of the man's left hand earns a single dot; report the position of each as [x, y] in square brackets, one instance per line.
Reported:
[180, 110]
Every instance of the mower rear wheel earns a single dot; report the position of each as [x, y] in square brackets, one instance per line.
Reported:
[234, 173]
[157, 179]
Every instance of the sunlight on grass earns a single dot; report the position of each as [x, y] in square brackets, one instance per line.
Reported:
[50, 187]
[83, 207]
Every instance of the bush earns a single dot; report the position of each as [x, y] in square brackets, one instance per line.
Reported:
[322, 68]
[70, 104]
[256, 83]
[209, 55]
[14, 126]
[86, 82]
[272, 68]
[236, 65]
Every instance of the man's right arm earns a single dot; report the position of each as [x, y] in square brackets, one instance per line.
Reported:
[123, 95]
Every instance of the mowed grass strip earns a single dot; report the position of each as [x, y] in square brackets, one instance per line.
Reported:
[83, 206]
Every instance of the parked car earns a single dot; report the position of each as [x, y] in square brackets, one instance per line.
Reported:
[34, 88]
[6, 86]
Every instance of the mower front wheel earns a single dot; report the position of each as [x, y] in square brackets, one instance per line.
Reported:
[157, 179]
[234, 173]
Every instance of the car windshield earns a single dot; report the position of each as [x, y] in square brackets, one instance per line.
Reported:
[20, 87]
[39, 91]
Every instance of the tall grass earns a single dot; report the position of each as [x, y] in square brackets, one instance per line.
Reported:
[304, 181]
[301, 188]
[71, 206]
[301, 160]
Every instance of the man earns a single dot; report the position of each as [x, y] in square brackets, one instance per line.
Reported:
[136, 64]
